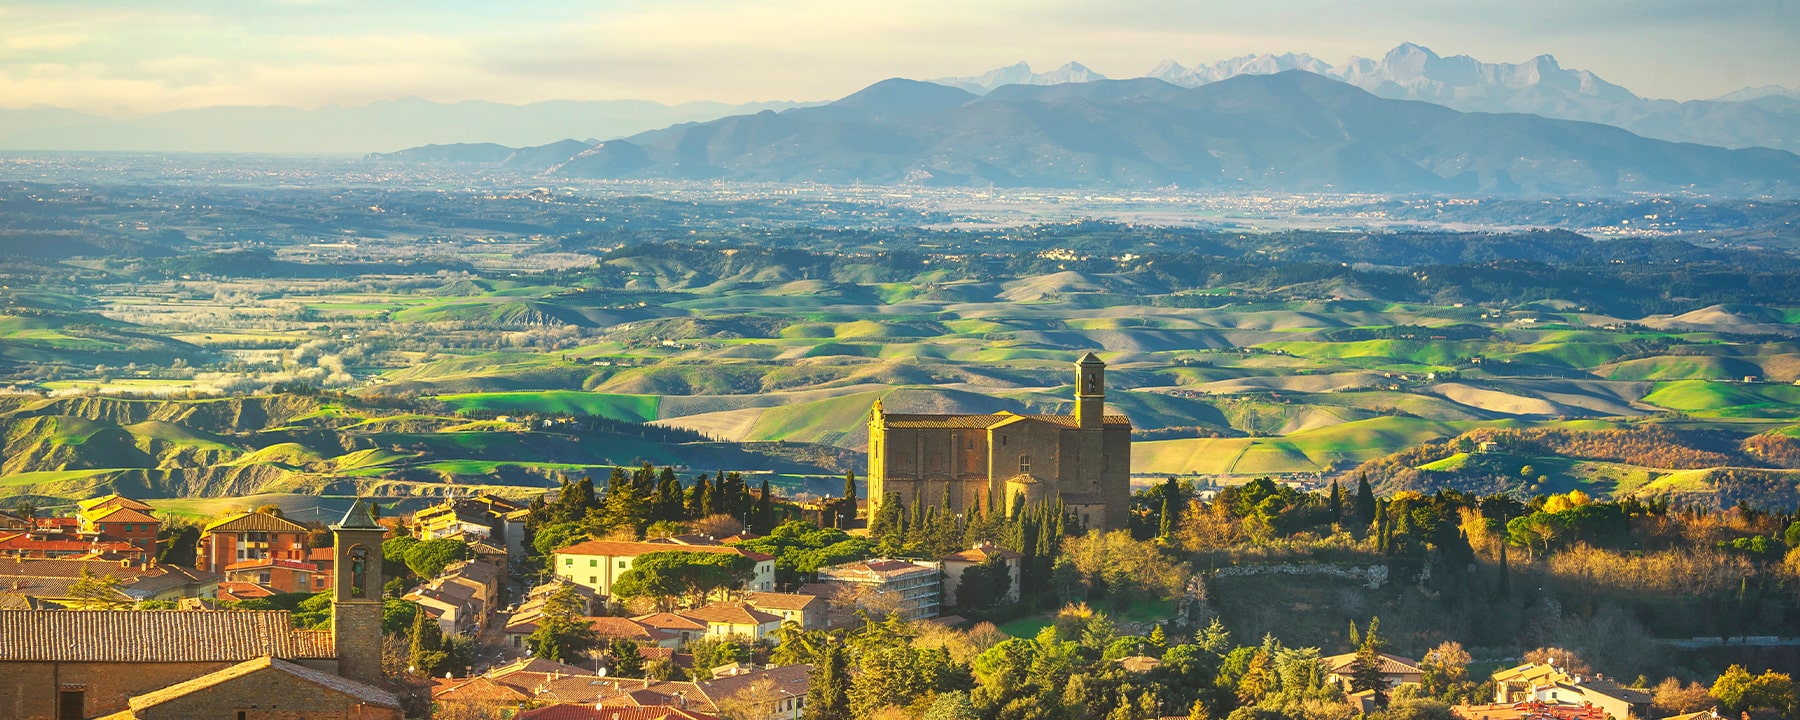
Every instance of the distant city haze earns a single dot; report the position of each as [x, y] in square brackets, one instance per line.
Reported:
[126, 59]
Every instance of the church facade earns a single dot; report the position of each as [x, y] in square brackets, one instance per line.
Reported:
[1005, 459]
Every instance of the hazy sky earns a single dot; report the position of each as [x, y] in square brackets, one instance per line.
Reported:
[122, 57]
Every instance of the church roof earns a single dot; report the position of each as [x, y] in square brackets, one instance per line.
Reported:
[153, 636]
[982, 422]
[351, 688]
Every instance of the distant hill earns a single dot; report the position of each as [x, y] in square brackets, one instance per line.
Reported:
[1541, 86]
[1293, 131]
[391, 124]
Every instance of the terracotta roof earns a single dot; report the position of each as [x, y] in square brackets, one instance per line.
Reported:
[1390, 664]
[273, 563]
[587, 689]
[628, 629]
[114, 499]
[730, 613]
[981, 553]
[314, 555]
[783, 601]
[478, 689]
[24, 542]
[150, 636]
[982, 422]
[686, 539]
[670, 621]
[789, 680]
[49, 577]
[620, 548]
[244, 590]
[1139, 663]
[359, 691]
[573, 711]
[122, 514]
[254, 522]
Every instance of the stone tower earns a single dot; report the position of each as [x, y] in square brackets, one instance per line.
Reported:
[1090, 392]
[356, 594]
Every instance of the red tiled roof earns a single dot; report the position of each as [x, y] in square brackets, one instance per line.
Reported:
[273, 563]
[670, 621]
[783, 601]
[243, 590]
[620, 548]
[479, 689]
[23, 542]
[254, 522]
[125, 636]
[121, 514]
[1390, 664]
[626, 628]
[573, 711]
[735, 613]
[981, 553]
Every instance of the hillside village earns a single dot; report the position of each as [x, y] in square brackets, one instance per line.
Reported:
[649, 599]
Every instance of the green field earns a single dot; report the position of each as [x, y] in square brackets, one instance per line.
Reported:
[629, 408]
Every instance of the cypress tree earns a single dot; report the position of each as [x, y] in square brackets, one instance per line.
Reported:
[1505, 575]
[765, 509]
[1365, 501]
[846, 515]
[1335, 506]
[1167, 527]
[667, 505]
[828, 689]
[700, 498]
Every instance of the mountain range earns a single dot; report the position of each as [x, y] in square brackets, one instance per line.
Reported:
[1767, 116]
[1290, 131]
[350, 129]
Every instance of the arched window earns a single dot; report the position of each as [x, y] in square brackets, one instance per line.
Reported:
[359, 571]
[1024, 463]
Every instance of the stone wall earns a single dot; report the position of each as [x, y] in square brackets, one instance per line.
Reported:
[268, 695]
[28, 690]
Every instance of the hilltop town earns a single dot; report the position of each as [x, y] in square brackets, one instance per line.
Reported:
[647, 597]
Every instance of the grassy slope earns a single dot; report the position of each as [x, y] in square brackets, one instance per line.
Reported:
[628, 408]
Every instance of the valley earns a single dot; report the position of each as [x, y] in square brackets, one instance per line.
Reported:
[364, 341]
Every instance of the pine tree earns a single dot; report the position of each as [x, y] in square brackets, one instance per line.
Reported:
[828, 692]
[667, 506]
[627, 661]
[1365, 501]
[1365, 669]
[699, 501]
[624, 507]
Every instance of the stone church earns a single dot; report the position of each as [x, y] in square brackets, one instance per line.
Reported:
[1006, 458]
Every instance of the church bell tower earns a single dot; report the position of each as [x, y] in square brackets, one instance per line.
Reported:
[1090, 392]
[356, 594]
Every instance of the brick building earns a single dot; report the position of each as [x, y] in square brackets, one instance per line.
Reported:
[69, 664]
[250, 537]
[1003, 459]
[119, 519]
[264, 689]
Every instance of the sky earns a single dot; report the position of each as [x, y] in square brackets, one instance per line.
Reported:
[128, 57]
